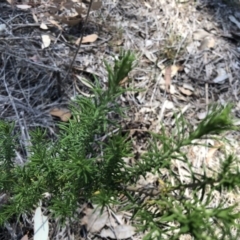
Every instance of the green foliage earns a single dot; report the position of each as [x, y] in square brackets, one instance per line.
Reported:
[86, 163]
[7, 146]
[216, 122]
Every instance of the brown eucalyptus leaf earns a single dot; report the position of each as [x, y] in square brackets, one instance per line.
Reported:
[185, 91]
[88, 39]
[62, 113]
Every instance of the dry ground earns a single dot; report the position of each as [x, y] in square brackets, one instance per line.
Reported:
[188, 57]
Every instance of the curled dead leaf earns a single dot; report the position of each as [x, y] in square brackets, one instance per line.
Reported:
[84, 81]
[62, 113]
[88, 39]
[185, 91]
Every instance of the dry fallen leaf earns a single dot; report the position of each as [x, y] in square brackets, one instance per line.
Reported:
[150, 56]
[84, 81]
[73, 21]
[188, 86]
[79, 10]
[212, 151]
[63, 114]
[118, 232]
[25, 237]
[88, 39]
[117, 42]
[41, 227]
[200, 34]
[169, 105]
[116, 220]
[207, 43]
[94, 219]
[185, 91]
[10, 1]
[55, 24]
[83, 93]
[222, 75]
[167, 77]
[172, 89]
[43, 26]
[174, 70]
[46, 41]
[23, 6]
[169, 72]
[147, 5]
[34, 16]
[202, 115]
[123, 81]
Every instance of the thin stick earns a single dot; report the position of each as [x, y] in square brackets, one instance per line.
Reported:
[81, 39]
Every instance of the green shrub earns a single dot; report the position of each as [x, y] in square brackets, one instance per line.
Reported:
[86, 163]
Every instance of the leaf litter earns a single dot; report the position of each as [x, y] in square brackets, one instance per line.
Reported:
[198, 36]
